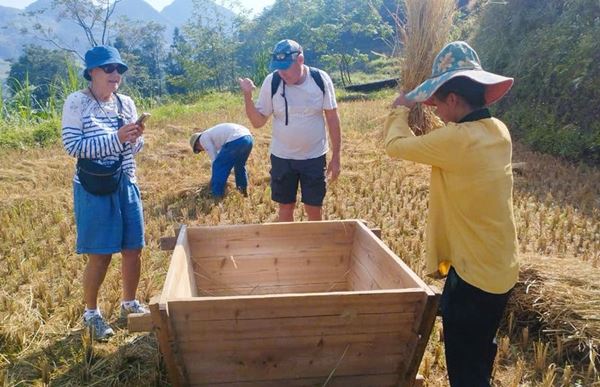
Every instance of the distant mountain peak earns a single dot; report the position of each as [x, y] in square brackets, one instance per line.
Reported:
[71, 35]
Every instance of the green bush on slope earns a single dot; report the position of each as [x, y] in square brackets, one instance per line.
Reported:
[551, 48]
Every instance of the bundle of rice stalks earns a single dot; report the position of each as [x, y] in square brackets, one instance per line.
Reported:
[558, 300]
[424, 33]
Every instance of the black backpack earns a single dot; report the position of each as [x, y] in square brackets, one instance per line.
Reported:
[276, 80]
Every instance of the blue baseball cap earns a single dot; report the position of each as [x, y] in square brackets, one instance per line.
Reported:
[99, 56]
[284, 54]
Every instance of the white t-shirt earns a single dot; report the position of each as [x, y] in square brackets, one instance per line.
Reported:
[213, 139]
[89, 130]
[305, 136]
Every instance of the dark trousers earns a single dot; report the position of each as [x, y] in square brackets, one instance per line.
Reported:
[470, 317]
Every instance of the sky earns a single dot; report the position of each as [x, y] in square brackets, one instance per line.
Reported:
[255, 5]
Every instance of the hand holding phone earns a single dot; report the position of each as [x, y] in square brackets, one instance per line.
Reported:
[143, 117]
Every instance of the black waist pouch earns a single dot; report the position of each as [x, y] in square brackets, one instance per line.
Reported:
[99, 179]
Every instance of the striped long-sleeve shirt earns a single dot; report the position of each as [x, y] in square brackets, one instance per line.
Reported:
[89, 130]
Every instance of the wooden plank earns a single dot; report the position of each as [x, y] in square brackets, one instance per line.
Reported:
[328, 257]
[180, 280]
[167, 343]
[424, 331]
[294, 305]
[252, 345]
[271, 239]
[228, 272]
[260, 289]
[373, 256]
[238, 360]
[360, 278]
[368, 280]
[380, 343]
[188, 325]
[315, 244]
[343, 229]
[375, 230]
[234, 370]
[381, 380]
[409, 278]
[139, 322]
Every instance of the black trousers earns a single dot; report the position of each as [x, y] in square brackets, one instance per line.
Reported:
[470, 317]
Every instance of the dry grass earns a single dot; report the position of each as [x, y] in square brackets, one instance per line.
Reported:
[425, 32]
[41, 340]
[559, 302]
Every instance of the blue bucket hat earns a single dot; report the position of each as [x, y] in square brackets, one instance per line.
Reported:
[284, 54]
[458, 59]
[99, 56]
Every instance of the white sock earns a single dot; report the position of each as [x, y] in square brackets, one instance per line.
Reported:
[89, 313]
[129, 304]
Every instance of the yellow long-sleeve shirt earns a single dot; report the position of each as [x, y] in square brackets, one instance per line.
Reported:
[471, 222]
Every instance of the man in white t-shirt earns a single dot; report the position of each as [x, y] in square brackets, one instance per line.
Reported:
[301, 100]
[228, 146]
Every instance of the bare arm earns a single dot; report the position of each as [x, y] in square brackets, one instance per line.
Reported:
[257, 119]
[335, 136]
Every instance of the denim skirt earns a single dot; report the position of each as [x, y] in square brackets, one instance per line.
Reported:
[111, 223]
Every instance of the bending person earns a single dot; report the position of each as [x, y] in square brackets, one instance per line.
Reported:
[228, 146]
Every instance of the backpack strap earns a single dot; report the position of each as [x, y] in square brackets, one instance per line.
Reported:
[316, 75]
[275, 81]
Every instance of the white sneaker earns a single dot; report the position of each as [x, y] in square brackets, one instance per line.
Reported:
[99, 328]
[135, 308]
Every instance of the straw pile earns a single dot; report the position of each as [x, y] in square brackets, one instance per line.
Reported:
[425, 32]
[558, 299]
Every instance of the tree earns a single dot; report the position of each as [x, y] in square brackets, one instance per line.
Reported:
[142, 47]
[92, 16]
[203, 55]
[40, 68]
[335, 34]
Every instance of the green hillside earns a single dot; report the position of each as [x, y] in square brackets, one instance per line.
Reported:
[551, 48]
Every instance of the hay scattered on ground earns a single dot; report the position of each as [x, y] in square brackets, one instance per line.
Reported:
[559, 299]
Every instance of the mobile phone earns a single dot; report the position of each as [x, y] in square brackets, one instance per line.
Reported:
[142, 118]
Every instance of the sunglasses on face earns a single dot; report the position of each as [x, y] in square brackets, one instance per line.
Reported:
[283, 55]
[111, 67]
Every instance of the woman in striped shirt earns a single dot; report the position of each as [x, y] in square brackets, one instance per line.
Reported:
[100, 125]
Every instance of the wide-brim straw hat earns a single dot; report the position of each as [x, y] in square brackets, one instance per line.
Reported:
[458, 59]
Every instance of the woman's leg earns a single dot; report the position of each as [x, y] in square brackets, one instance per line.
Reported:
[93, 276]
[130, 270]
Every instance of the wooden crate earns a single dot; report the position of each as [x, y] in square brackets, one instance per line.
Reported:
[290, 304]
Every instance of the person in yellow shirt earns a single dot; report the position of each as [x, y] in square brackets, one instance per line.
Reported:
[471, 233]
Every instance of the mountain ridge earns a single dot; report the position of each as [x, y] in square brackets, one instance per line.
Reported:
[17, 25]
